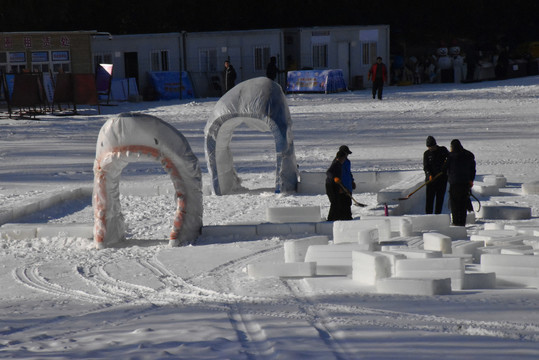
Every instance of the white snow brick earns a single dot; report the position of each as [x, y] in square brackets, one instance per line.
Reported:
[498, 180]
[437, 242]
[436, 222]
[432, 269]
[466, 258]
[414, 286]
[498, 249]
[484, 189]
[367, 236]
[333, 259]
[418, 253]
[406, 227]
[504, 212]
[394, 221]
[493, 226]
[368, 266]
[85, 231]
[499, 238]
[302, 228]
[312, 182]
[498, 233]
[298, 269]
[293, 214]
[347, 231]
[528, 250]
[530, 188]
[324, 228]
[18, 231]
[466, 247]
[229, 231]
[533, 242]
[516, 270]
[268, 229]
[401, 242]
[524, 228]
[295, 250]
[479, 280]
[456, 232]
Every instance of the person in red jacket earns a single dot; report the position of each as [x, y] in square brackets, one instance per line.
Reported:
[378, 75]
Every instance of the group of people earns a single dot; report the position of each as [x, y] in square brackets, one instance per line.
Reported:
[456, 166]
[377, 73]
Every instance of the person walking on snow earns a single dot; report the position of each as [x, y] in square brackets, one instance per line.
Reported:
[433, 161]
[378, 75]
[460, 168]
[229, 74]
[272, 70]
[340, 202]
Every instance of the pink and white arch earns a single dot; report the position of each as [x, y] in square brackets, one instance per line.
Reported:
[127, 138]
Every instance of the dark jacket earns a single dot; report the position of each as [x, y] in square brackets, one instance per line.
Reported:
[335, 170]
[272, 70]
[378, 71]
[433, 161]
[460, 166]
[230, 77]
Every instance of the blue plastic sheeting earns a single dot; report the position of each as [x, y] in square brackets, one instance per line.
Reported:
[327, 81]
[261, 105]
[167, 84]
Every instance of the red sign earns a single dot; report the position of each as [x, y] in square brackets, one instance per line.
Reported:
[27, 42]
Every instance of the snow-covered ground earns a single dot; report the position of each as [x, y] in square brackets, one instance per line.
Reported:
[61, 298]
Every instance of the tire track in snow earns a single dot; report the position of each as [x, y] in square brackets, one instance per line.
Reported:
[409, 321]
[319, 319]
[30, 277]
[250, 333]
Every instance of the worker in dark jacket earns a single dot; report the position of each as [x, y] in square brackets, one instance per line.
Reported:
[433, 161]
[340, 208]
[272, 70]
[460, 167]
[229, 74]
[378, 75]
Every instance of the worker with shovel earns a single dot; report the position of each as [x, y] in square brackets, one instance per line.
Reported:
[341, 202]
[433, 161]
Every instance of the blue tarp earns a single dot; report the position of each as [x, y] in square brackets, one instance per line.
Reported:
[316, 81]
[167, 85]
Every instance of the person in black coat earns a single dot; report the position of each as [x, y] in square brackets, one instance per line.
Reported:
[433, 161]
[460, 167]
[272, 70]
[229, 76]
[340, 208]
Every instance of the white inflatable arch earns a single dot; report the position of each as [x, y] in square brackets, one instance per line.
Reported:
[130, 137]
[260, 104]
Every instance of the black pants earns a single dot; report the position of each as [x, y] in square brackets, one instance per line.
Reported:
[377, 86]
[459, 198]
[436, 191]
[340, 208]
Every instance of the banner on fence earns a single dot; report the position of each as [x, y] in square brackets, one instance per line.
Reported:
[168, 85]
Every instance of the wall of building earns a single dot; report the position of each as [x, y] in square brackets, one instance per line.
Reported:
[115, 48]
[70, 47]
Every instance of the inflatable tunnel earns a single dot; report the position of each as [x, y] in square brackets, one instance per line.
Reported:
[261, 105]
[133, 137]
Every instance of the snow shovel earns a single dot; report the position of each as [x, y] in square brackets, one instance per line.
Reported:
[476, 199]
[350, 195]
[419, 188]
